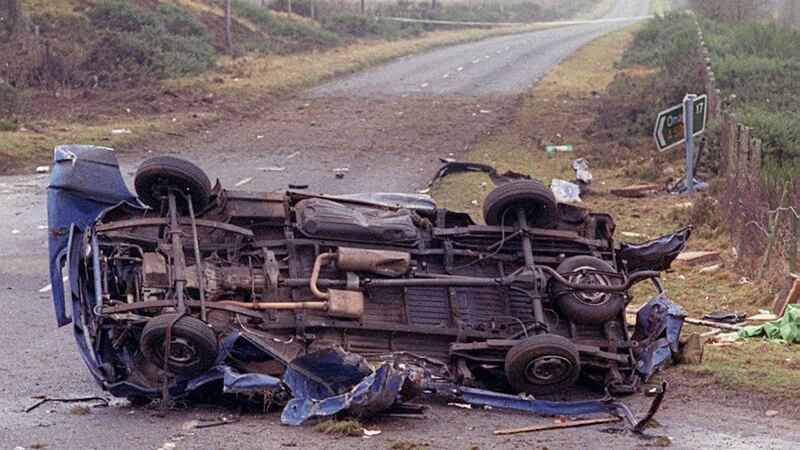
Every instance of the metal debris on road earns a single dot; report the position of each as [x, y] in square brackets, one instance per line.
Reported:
[636, 190]
[565, 191]
[272, 169]
[45, 399]
[708, 323]
[221, 420]
[712, 268]
[243, 181]
[554, 426]
[451, 166]
[583, 178]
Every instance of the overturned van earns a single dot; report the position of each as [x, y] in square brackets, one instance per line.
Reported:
[186, 285]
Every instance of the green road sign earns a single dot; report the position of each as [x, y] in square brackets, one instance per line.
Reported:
[669, 130]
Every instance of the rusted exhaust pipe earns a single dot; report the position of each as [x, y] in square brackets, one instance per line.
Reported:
[315, 274]
[317, 306]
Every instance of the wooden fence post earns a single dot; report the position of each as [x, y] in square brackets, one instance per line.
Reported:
[773, 232]
[794, 232]
[228, 37]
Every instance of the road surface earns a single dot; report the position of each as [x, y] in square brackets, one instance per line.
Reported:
[500, 65]
[388, 144]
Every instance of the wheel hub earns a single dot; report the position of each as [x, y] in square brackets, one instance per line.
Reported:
[588, 275]
[548, 369]
[181, 351]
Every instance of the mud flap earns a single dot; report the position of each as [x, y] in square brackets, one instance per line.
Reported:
[658, 330]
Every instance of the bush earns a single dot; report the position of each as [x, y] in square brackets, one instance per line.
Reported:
[9, 99]
[360, 25]
[179, 55]
[779, 131]
[663, 42]
[354, 24]
[765, 39]
[759, 63]
[299, 7]
[137, 46]
[486, 11]
[181, 22]
[123, 57]
[279, 27]
[770, 82]
[121, 16]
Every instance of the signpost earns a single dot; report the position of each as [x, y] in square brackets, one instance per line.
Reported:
[681, 124]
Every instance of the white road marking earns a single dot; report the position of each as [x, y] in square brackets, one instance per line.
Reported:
[244, 181]
[447, 75]
[459, 69]
[476, 61]
[423, 85]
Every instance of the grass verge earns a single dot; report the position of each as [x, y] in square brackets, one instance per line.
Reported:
[563, 109]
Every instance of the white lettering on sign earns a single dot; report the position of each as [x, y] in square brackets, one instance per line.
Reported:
[674, 120]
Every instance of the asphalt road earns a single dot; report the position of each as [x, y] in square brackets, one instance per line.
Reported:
[500, 65]
[39, 359]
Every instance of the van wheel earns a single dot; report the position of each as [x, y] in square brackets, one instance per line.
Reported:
[586, 307]
[193, 347]
[157, 175]
[542, 364]
[534, 196]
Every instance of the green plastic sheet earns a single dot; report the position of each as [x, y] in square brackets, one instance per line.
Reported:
[786, 329]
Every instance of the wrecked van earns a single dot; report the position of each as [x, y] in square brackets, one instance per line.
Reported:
[186, 285]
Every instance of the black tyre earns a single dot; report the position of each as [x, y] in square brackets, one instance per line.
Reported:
[156, 175]
[586, 307]
[500, 206]
[194, 345]
[542, 364]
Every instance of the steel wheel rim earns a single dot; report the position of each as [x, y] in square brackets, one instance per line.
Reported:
[548, 369]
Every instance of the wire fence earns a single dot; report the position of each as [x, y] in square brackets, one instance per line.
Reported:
[763, 221]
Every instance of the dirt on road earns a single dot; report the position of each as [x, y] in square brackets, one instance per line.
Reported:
[391, 144]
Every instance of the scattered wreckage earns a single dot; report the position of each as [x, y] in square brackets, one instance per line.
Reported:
[189, 288]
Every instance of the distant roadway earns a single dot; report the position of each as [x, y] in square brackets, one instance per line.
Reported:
[508, 64]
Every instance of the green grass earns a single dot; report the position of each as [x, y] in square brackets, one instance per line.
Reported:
[755, 366]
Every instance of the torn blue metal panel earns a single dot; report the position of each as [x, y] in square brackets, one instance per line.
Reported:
[331, 381]
[497, 400]
[658, 329]
[246, 383]
[85, 181]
